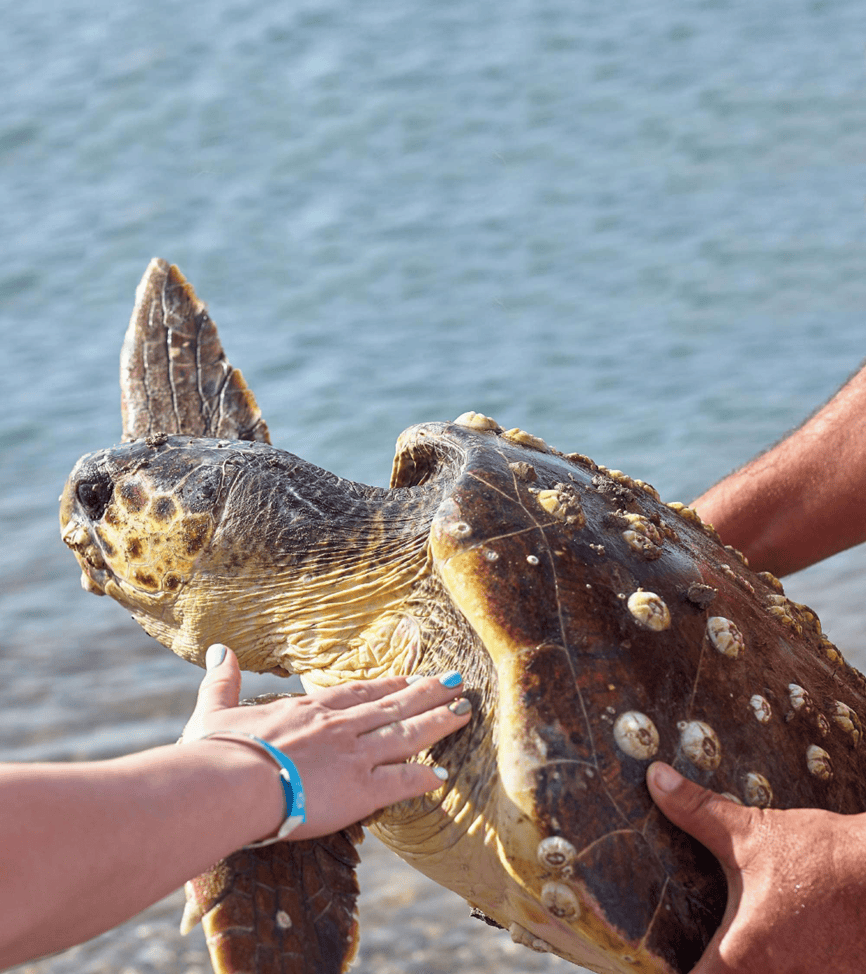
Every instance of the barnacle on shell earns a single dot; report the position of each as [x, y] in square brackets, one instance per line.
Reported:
[560, 900]
[818, 762]
[725, 636]
[846, 718]
[650, 610]
[477, 421]
[562, 503]
[757, 790]
[700, 744]
[636, 735]
[518, 436]
[556, 853]
[800, 698]
[761, 708]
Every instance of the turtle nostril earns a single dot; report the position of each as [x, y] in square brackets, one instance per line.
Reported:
[94, 496]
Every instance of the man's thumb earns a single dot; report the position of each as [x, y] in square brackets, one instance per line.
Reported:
[710, 818]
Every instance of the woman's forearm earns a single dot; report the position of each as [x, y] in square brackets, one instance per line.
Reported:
[803, 500]
[87, 845]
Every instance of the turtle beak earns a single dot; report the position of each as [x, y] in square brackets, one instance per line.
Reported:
[75, 533]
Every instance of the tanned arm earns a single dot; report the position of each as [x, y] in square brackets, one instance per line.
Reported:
[805, 499]
[796, 880]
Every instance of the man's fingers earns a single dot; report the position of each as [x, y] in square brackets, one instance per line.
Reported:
[711, 819]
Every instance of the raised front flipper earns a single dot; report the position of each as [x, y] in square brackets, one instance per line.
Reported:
[174, 375]
[287, 907]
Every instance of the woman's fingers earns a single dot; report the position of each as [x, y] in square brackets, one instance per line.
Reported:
[219, 689]
[396, 783]
[378, 693]
[354, 693]
[421, 695]
[404, 737]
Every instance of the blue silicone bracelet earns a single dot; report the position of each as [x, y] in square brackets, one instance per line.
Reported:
[290, 780]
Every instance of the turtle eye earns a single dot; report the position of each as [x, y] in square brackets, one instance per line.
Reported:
[94, 496]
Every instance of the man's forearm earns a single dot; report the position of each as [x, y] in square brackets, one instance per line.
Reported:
[803, 500]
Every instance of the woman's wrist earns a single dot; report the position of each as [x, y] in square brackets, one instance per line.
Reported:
[247, 781]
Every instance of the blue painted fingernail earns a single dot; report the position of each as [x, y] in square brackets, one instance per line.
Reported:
[440, 773]
[460, 706]
[216, 654]
[412, 678]
[451, 679]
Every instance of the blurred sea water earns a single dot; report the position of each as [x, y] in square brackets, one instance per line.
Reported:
[636, 231]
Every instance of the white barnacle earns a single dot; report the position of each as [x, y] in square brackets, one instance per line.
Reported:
[556, 853]
[636, 735]
[460, 529]
[560, 900]
[761, 708]
[700, 744]
[562, 503]
[283, 920]
[642, 536]
[772, 582]
[846, 718]
[520, 936]
[525, 439]
[490, 555]
[532, 559]
[650, 490]
[757, 790]
[477, 421]
[684, 511]
[823, 724]
[725, 636]
[831, 651]
[799, 698]
[650, 610]
[818, 763]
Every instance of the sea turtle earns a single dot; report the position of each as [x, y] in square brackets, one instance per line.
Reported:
[597, 628]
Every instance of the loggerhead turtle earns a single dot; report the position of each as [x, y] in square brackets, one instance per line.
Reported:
[598, 627]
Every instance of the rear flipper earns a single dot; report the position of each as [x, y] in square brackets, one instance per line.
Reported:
[287, 907]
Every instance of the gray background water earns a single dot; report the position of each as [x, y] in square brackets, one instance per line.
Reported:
[636, 230]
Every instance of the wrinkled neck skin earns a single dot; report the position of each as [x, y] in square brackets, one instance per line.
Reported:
[317, 591]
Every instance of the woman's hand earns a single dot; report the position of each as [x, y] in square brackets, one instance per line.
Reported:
[350, 743]
[796, 880]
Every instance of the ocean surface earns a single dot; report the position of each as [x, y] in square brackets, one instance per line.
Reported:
[635, 230]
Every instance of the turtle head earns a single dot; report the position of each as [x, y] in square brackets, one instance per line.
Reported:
[139, 518]
[236, 541]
